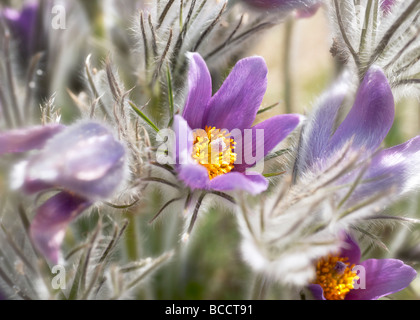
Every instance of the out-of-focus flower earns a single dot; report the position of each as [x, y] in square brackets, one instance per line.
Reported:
[212, 157]
[83, 161]
[342, 276]
[339, 179]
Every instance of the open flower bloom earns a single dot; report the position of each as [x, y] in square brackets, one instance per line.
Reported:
[83, 161]
[217, 154]
[342, 276]
[361, 133]
[22, 24]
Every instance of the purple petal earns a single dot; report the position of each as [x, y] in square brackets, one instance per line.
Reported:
[184, 141]
[317, 291]
[22, 140]
[308, 12]
[236, 103]
[253, 183]
[383, 277]
[397, 167]
[199, 91]
[84, 159]
[350, 249]
[320, 124]
[194, 176]
[275, 130]
[387, 5]
[50, 223]
[371, 117]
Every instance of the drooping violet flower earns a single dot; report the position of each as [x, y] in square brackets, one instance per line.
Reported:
[212, 157]
[342, 276]
[84, 161]
[362, 132]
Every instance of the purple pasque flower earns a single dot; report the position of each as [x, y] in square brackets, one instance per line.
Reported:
[22, 24]
[342, 276]
[214, 119]
[83, 161]
[362, 131]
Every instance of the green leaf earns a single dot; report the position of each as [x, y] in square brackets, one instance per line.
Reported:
[143, 116]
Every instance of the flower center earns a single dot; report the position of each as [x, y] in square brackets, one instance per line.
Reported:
[335, 276]
[213, 149]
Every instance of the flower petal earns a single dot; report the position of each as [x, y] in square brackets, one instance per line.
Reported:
[371, 117]
[236, 103]
[183, 141]
[398, 167]
[84, 159]
[253, 183]
[191, 173]
[386, 6]
[309, 11]
[350, 249]
[22, 140]
[317, 291]
[199, 91]
[194, 176]
[319, 126]
[48, 228]
[275, 130]
[383, 277]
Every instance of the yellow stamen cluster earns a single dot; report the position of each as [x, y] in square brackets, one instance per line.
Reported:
[213, 149]
[335, 276]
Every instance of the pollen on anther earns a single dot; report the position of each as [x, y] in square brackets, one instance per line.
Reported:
[214, 149]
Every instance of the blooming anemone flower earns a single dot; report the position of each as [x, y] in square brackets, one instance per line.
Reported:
[342, 276]
[214, 119]
[83, 161]
[362, 132]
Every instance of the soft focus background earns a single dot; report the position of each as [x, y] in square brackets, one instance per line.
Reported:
[301, 67]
